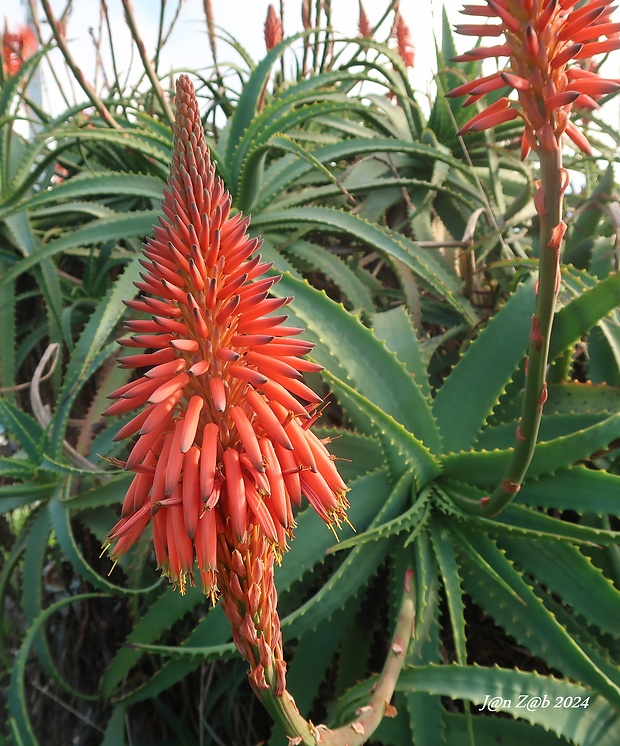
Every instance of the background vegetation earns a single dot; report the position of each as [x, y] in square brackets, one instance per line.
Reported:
[412, 259]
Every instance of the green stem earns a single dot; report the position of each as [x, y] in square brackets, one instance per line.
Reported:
[300, 731]
[146, 62]
[549, 206]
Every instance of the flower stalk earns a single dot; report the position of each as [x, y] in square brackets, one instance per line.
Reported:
[300, 731]
[146, 62]
[549, 198]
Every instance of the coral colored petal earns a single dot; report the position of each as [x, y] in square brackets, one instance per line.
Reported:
[175, 459]
[199, 368]
[147, 340]
[492, 120]
[235, 491]
[192, 504]
[285, 347]
[260, 325]
[137, 520]
[319, 494]
[185, 345]
[161, 413]
[297, 387]
[481, 53]
[279, 497]
[290, 473]
[247, 374]
[169, 388]
[208, 459]
[169, 325]
[166, 369]
[139, 388]
[593, 32]
[578, 138]
[268, 419]
[268, 364]
[500, 105]
[205, 540]
[251, 340]
[180, 547]
[133, 425]
[160, 541]
[218, 393]
[511, 22]
[565, 98]
[248, 437]
[144, 444]
[473, 29]
[598, 47]
[130, 503]
[151, 358]
[158, 492]
[325, 464]
[260, 511]
[594, 86]
[301, 446]
[190, 425]
[279, 393]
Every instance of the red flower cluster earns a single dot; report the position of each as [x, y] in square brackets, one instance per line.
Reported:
[541, 38]
[17, 46]
[223, 442]
[223, 446]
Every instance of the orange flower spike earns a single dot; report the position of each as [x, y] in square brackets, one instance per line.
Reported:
[541, 38]
[404, 45]
[273, 28]
[221, 441]
[363, 24]
[17, 47]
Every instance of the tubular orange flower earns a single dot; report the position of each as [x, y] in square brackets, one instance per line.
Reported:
[223, 443]
[17, 46]
[541, 38]
[273, 28]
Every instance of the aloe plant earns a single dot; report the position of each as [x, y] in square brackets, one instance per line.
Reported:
[427, 383]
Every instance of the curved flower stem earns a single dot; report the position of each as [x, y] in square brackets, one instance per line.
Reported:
[92, 95]
[148, 67]
[300, 731]
[548, 202]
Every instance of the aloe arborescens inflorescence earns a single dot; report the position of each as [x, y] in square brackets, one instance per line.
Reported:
[541, 39]
[224, 445]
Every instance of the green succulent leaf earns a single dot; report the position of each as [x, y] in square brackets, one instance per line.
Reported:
[474, 386]
[347, 349]
[421, 263]
[403, 450]
[486, 468]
